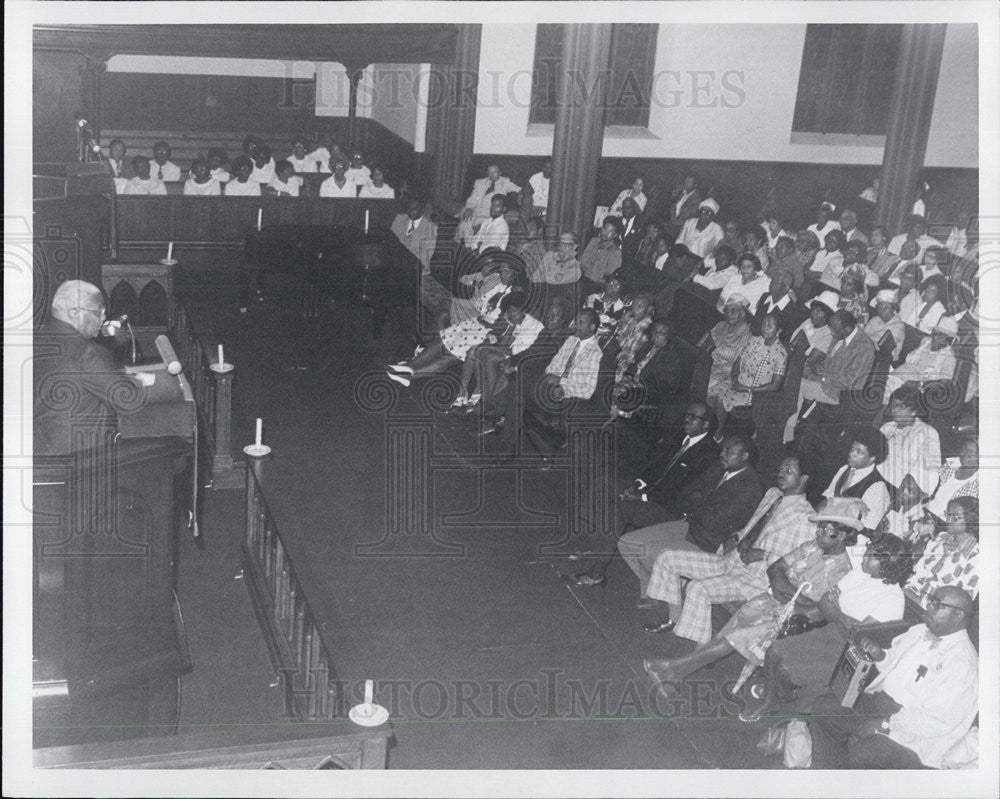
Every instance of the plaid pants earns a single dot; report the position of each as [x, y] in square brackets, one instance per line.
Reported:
[713, 579]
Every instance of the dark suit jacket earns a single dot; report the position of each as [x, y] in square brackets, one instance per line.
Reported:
[421, 242]
[716, 511]
[665, 485]
[126, 170]
[630, 243]
[688, 210]
[791, 316]
[78, 391]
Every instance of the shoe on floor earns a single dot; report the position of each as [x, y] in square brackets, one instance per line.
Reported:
[403, 381]
[401, 368]
[655, 627]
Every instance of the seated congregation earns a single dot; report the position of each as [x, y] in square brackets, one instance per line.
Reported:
[794, 417]
[793, 409]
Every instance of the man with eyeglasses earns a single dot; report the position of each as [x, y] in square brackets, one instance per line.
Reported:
[675, 462]
[79, 389]
[923, 701]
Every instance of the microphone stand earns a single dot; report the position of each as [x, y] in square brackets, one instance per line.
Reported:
[131, 336]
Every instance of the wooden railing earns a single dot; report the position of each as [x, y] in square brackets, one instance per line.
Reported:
[265, 748]
[299, 654]
[213, 392]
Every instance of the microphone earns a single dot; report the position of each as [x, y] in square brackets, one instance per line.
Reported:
[112, 326]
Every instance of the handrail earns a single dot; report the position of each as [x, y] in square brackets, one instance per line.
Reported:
[213, 390]
[287, 747]
[298, 650]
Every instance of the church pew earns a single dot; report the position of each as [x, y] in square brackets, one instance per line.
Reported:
[209, 232]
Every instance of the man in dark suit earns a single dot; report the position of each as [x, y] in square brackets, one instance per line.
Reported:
[632, 233]
[721, 500]
[779, 301]
[79, 389]
[683, 204]
[674, 464]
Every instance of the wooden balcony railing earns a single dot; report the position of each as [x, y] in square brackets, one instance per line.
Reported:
[197, 350]
[299, 653]
[288, 747]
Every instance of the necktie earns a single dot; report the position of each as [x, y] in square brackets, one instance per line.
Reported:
[923, 311]
[160, 173]
[843, 482]
[411, 228]
[758, 527]
[572, 357]
[725, 476]
[493, 187]
[676, 459]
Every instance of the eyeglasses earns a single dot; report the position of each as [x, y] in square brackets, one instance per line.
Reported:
[933, 603]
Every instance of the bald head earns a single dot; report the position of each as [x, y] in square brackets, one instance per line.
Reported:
[80, 304]
[948, 610]
[955, 596]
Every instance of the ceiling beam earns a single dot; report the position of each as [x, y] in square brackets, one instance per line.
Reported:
[355, 45]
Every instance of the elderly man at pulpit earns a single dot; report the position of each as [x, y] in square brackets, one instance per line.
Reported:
[109, 490]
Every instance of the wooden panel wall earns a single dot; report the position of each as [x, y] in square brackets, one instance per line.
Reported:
[134, 101]
[57, 93]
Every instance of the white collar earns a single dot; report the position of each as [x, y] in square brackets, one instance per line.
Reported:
[692, 440]
[730, 475]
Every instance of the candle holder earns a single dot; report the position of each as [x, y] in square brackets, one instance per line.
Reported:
[367, 715]
[257, 450]
[221, 368]
[168, 261]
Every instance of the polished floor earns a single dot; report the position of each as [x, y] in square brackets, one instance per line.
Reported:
[448, 594]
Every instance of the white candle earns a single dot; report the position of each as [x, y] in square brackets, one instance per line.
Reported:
[366, 220]
[260, 217]
[170, 251]
[222, 358]
[369, 692]
[260, 430]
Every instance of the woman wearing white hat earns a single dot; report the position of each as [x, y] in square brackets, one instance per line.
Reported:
[814, 337]
[702, 234]
[934, 359]
[887, 322]
[727, 340]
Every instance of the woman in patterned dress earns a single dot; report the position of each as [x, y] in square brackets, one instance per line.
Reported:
[456, 340]
[727, 340]
[952, 556]
[759, 368]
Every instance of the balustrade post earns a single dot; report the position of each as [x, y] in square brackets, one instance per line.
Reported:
[256, 453]
[222, 458]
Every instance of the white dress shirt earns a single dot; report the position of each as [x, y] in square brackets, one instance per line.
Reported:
[210, 188]
[168, 172]
[236, 189]
[370, 190]
[289, 188]
[876, 497]
[329, 188]
[149, 186]
[540, 186]
[700, 242]
[492, 233]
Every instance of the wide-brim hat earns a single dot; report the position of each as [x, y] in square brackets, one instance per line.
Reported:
[710, 204]
[828, 299]
[842, 510]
